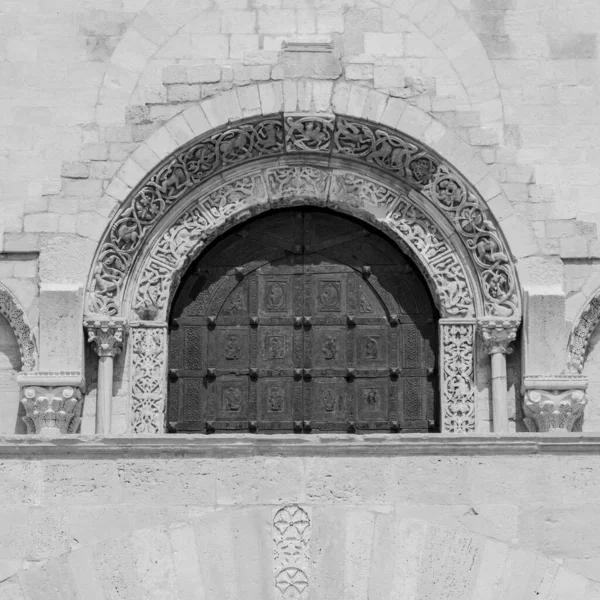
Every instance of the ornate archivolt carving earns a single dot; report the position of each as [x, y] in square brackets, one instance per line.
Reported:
[457, 377]
[291, 560]
[580, 336]
[12, 311]
[421, 237]
[375, 146]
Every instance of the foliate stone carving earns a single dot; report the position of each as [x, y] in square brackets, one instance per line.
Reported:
[106, 335]
[291, 561]
[373, 145]
[473, 222]
[497, 334]
[349, 189]
[424, 239]
[193, 164]
[554, 411]
[148, 364]
[297, 183]
[178, 246]
[458, 385]
[51, 411]
[12, 311]
[580, 336]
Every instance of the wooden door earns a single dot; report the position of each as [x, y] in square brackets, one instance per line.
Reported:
[299, 321]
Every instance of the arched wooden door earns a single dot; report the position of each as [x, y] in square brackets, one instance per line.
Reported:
[302, 320]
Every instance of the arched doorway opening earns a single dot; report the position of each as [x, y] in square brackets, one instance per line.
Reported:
[303, 320]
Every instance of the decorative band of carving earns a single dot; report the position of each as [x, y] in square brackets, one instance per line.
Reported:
[291, 560]
[551, 411]
[376, 146]
[421, 238]
[148, 371]
[457, 376]
[580, 336]
[11, 310]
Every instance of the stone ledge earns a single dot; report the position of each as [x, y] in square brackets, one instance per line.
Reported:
[226, 445]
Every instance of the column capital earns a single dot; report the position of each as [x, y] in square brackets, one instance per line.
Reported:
[106, 334]
[497, 334]
[554, 403]
[52, 401]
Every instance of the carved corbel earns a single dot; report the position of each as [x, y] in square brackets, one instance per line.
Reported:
[52, 401]
[554, 404]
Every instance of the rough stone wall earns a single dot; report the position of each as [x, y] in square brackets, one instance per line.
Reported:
[492, 527]
[83, 84]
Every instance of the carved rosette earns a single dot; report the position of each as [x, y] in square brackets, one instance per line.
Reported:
[51, 411]
[291, 560]
[497, 334]
[553, 411]
[457, 369]
[106, 335]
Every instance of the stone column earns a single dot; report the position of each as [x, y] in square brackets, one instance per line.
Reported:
[52, 401]
[106, 335]
[497, 335]
[554, 404]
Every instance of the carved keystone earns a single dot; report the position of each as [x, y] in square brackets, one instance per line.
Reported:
[52, 401]
[497, 334]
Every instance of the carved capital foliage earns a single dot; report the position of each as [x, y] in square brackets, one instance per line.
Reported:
[51, 410]
[291, 547]
[497, 334]
[555, 410]
[106, 335]
[458, 384]
[12, 311]
[382, 150]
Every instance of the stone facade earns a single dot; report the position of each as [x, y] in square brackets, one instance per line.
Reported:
[135, 133]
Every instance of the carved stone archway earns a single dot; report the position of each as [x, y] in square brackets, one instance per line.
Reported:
[13, 312]
[368, 170]
[586, 323]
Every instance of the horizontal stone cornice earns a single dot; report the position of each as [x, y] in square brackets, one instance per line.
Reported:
[231, 446]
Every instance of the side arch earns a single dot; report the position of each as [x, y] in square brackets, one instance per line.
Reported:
[13, 312]
[583, 328]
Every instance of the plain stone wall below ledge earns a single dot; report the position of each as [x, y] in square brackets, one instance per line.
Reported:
[531, 492]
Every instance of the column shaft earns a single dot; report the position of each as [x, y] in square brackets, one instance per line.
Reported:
[104, 396]
[499, 393]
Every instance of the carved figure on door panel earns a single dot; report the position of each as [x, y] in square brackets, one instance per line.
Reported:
[329, 400]
[237, 302]
[330, 349]
[371, 349]
[329, 295]
[371, 398]
[275, 347]
[233, 349]
[275, 296]
[365, 305]
[232, 399]
[275, 399]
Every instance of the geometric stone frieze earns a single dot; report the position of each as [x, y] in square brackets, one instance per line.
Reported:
[382, 149]
[291, 552]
